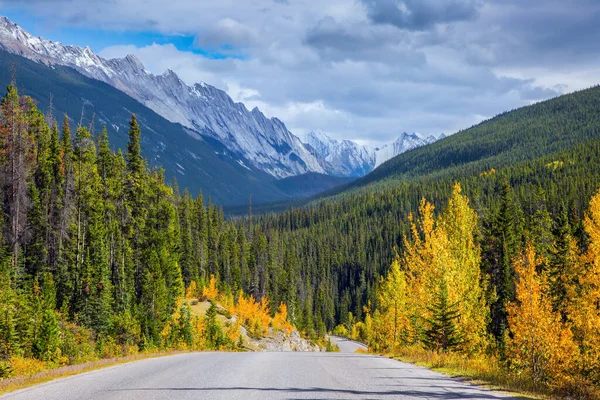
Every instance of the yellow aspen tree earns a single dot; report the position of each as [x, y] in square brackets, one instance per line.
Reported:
[191, 290]
[445, 252]
[211, 292]
[425, 258]
[459, 223]
[392, 324]
[541, 346]
[584, 310]
[280, 320]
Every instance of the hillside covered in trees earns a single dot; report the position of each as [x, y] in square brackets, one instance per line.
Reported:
[99, 256]
[98, 251]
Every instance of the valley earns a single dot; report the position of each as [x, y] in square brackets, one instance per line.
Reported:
[142, 214]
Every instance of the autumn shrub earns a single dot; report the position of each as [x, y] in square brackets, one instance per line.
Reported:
[211, 292]
[77, 343]
[252, 314]
[280, 321]
[25, 366]
[192, 291]
[341, 331]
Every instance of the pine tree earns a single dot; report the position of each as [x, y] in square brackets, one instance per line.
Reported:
[16, 147]
[563, 270]
[502, 248]
[213, 333]
[56, 199]
[91, 270]
[48, 341]
[136, 198]
[441, 332]
[189, 267]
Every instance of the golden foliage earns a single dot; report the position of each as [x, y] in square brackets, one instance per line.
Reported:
[280, 320]
[256, 316]
[191, 291]
[445, 252]
[184, 331]
[541, 346]
[554, 165]
[488, 173]
[25, 366]
[585, 312]
[392, 325]
[211, 292]
[341, 331]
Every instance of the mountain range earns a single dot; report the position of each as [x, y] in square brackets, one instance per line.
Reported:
[350, 159]
[242, 138]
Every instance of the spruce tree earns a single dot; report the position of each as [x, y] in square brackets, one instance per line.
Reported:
[136, 188]
[213, 332]
[441, 333]
[503, 245]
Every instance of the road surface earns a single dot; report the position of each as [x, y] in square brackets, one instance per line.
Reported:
[259, 376]
[347, 345]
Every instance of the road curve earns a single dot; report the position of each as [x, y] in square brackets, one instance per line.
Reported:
[347, 345]
[258, 376]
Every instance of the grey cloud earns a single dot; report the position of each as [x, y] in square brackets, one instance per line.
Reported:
[363, 69]
[358, 41]
[539, 32]
[227, 32]
[419, 14]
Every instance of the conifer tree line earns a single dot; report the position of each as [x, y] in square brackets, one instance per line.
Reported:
[98, 250]
[98, 253]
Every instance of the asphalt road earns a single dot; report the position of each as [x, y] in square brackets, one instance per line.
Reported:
[259, 376]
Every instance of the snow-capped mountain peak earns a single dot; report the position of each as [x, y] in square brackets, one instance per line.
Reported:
[205, 110]
[263, 143]
[404, 143]
[347, 158]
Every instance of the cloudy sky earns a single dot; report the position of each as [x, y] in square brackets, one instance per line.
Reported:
[357, 69]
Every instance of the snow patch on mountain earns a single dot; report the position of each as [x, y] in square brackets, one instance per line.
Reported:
[340, 158]
[202, 108]
[406, 142]
[347, 158]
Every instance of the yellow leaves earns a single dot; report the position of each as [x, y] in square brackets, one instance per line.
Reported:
[341, 331]
[181, 324]
[233, 331]
[445, 250]
[488, 173]
[585, 313]
[392, 325]
[256, 316]
[190, 292]
[211, 292]
[541, 345]
[280, 320]
[554, 165]
[21, 366]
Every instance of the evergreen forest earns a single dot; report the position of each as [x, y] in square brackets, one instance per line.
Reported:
[480, 245]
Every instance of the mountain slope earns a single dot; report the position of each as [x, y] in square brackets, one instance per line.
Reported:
[340, 158]
[310, 184]
[193, 162]
[516, 136]
[266, 143]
